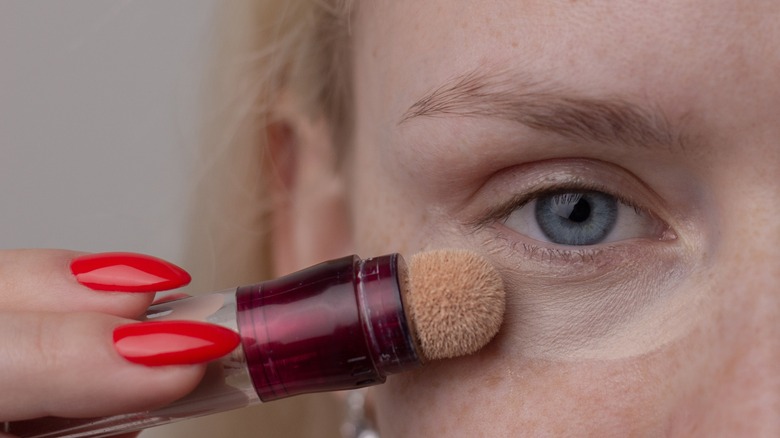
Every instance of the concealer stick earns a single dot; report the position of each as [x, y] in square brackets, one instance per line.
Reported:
[341, 324]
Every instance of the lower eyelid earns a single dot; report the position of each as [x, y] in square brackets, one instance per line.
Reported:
[501, 241]
[504, 242]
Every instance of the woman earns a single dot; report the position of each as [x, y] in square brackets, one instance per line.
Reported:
[616, 162]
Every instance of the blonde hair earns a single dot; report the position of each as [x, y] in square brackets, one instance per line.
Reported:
[264, 48]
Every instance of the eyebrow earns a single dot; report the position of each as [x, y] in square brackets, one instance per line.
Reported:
[548, 108]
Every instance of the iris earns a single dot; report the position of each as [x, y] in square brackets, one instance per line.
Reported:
[576, 218]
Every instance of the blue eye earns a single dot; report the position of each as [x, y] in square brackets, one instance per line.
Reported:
[581, 218]
[576, 218]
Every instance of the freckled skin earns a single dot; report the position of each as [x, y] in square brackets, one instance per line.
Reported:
[714, 63]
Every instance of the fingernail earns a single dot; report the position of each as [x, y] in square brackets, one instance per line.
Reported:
[159, 343]
[127, 272]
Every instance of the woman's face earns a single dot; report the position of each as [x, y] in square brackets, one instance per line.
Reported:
[618, 162]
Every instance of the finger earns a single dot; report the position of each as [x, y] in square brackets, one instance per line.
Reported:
[44, 280]
[66, 365]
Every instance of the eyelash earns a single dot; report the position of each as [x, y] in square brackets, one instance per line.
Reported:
[503, 211]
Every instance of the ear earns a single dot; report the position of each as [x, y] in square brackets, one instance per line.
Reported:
[310, 220]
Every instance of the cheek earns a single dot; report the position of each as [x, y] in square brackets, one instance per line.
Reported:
[492, 394]
[382, 221]
[387, 211]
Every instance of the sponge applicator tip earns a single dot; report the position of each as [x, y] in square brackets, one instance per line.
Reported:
[455, 300]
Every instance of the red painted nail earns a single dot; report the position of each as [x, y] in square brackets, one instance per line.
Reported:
[158, 343]
[127, 272]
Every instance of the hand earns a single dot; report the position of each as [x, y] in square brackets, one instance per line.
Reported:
[57, 354]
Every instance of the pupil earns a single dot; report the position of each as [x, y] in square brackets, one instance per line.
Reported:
[580, 212]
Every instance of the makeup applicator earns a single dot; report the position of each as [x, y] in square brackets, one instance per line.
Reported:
[342, 324]
[455, 301]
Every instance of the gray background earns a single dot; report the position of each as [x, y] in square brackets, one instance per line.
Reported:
[99, 106]
[99, 111]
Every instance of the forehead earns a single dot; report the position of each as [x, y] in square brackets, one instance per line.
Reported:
[675, 53]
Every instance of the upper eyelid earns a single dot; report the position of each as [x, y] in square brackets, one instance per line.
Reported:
[502, 211]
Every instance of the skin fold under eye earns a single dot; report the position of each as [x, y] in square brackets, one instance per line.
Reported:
[581, 217]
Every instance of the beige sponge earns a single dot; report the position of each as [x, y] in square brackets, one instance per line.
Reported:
[455, 300]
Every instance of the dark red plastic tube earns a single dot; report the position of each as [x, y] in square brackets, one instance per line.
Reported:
[337, 325]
